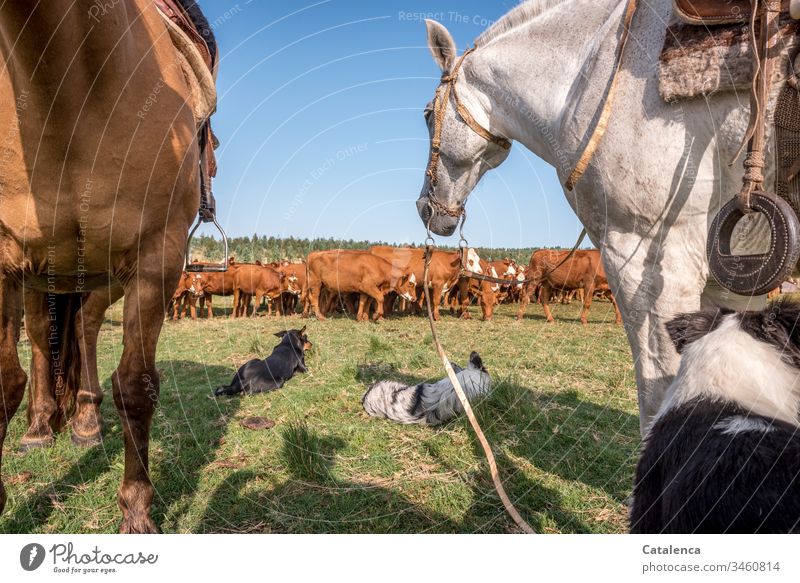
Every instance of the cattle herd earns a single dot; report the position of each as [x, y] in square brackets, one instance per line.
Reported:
[384, 280]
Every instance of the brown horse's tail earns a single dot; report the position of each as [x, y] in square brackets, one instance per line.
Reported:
[65, 357]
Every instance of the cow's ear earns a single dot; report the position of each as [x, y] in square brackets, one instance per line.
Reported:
[281, 334]
[687, 328]
[441, 45]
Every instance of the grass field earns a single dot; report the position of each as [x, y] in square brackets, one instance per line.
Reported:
[562, 420]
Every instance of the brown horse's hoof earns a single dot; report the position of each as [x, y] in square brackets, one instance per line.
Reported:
[86, 440]
[29, 443]
[140, 525]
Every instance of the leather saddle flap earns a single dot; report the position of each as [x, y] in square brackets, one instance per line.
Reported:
[709, 12]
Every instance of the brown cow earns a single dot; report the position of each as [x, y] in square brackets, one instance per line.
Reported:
[583, 271]
[357, 271]
[217, 284]
[297, 287]
[185, 296]
[258, 282]
[442, 275]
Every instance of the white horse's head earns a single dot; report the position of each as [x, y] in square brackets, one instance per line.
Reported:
[463, 147]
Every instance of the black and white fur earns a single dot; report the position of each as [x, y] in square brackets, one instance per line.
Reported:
[427, 403]
[259, 376]
[723, 453]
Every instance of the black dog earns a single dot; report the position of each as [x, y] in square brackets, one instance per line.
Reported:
[259, 376]
[723, 453]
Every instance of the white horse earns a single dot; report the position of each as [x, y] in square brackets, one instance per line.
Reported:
[539, 76]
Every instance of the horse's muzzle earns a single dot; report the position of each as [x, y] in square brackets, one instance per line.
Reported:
[441, 224]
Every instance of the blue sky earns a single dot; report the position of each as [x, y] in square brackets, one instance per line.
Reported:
[321, 128]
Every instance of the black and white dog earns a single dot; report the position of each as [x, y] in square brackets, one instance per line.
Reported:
[427, 403]
[259, 376]
[723, 453]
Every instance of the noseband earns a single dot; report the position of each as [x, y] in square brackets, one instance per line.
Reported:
[439, 110]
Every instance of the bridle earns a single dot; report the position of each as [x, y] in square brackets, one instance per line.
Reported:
[439, 109]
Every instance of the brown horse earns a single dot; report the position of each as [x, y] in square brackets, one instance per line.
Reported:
[100, 183]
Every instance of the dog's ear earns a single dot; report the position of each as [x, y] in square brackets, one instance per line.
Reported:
[687, 328]
[475, 360]
[281, 334]
[302, 330]
[778, 325]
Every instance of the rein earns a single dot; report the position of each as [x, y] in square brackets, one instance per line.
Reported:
[464, 272]
[462, 397]
[605, 113]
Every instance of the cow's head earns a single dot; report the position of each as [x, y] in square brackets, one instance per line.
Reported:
[458, 156]
[473, 262]
[196, 284]
[293, 284]
[406, 287]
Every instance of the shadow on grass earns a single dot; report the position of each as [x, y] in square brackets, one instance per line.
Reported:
[559, 433]
[185, 433]
[313, 500]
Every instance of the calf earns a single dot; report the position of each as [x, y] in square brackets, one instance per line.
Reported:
[256, 281]
[357, 271]
[297, 287]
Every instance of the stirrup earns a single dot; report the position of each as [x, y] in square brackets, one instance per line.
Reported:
[206, 267]
[754, 274]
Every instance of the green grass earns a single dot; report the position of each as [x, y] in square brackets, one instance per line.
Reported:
[562, 421]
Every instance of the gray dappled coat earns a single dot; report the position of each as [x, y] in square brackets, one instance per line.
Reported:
[427, 403]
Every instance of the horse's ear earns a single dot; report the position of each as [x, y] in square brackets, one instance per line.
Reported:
[441, 44]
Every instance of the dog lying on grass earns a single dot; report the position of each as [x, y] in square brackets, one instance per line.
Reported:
[259, 376]
[723, 453]
[427, 403]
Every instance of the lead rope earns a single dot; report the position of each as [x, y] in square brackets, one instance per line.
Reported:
[462, 397]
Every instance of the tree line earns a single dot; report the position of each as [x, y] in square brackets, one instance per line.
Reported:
[267, 249]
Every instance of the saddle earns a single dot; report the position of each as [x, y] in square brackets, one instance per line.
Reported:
[761, 21]
[199, 66]
[711, 12]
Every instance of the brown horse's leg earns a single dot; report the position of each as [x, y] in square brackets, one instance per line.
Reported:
[544, 297]
[12, 377]
[588, 294]
[87, 422]
[136, 389]
[41, 396]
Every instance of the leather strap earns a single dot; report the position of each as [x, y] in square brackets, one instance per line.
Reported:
[602, 121]
[464, 272]
[765, 54]
[439, 109]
